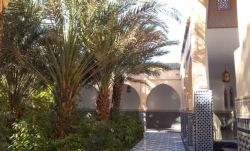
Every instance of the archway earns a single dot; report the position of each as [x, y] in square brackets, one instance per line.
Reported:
[163, 104]
[130, 99]
[86, 98]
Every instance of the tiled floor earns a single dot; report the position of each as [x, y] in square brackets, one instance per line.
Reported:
[160, 141]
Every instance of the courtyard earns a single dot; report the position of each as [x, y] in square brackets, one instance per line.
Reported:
[113, 75]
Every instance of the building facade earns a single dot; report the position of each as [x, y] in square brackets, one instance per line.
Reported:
[215, 57]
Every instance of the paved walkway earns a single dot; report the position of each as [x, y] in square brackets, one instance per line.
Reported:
[160, 141]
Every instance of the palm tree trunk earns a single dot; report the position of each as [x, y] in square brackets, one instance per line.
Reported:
[64, 112]
[15, 109]
[102, 104]
[117, 92]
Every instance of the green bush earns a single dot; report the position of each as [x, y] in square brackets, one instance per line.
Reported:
[121, 133]
[127, 129]
[72, 142]
[4, 131]
[28, 137]
[87, 134]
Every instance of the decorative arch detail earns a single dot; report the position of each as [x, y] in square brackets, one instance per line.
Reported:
[163, 97]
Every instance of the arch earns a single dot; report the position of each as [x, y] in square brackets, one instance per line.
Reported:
[163, 98]
[163, 104]
[86, 98]
[135, 85]
[130, 100]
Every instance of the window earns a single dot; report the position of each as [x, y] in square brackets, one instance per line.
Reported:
[223, 5]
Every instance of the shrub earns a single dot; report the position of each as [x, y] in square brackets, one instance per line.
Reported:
[87, 134]
[28, 137]
[72, 142]
[128, 129]
[121, 133]
[4, 131]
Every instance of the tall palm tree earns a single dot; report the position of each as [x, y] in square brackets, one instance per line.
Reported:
[99, 37]
[64, 64]
[51, 50]
[138, 60]
[112, 30]
[147, 41]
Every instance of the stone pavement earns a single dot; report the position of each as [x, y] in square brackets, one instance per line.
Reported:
[160, 141]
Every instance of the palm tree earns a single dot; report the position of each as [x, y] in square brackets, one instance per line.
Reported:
[146, 44]
[64, 64]
[139, 60]
[112, 31]
[20, 30]
[99, 37]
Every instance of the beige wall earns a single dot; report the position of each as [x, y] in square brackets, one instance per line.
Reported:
[198, 46]
[86, 99]
[166, 99]
[170, 78]
[242, 61]
[211, 51]
[242, 54]
[243, 19]
[195, 76]
[221, 43]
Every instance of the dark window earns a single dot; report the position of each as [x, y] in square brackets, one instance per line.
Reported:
[223, 5]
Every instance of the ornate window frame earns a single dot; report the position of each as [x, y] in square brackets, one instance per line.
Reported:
[223, 5]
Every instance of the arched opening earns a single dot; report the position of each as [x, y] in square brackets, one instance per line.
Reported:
[86, 99]
[130, 99]
[163, 104]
